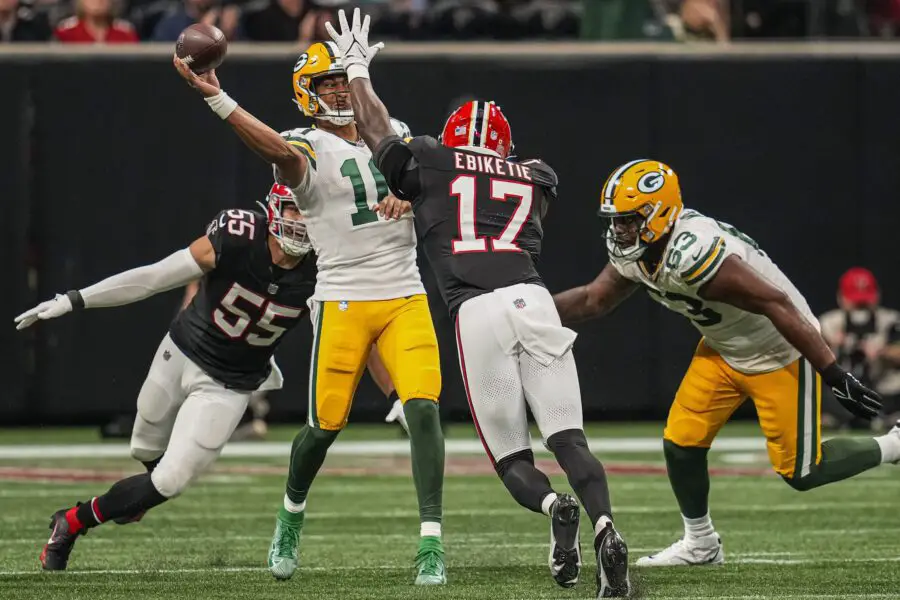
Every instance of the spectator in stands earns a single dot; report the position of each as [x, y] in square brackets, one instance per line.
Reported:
[865, 337]
[301, 21]
[22, 24]
[95, 22]
[227, 18]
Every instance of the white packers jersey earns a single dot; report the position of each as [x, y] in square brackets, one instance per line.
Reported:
[361, 256]
[696, 249]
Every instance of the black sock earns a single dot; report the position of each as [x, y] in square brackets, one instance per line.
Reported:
[151, 464]
[528, 485]
[126, 498]
[585, 473]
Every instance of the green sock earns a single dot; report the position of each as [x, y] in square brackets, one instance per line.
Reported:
[307, 455]
[689, 477]
[426, 440]
[291, 517]
[841, 458]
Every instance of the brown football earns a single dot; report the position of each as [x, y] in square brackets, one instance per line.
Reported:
[202, 46]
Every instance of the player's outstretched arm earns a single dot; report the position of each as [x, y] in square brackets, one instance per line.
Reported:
[174, 271]
[352, 41]
[259, 137]
[738, 284]
[595, 299]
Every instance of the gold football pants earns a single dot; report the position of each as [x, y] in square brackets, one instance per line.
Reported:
[343, 336]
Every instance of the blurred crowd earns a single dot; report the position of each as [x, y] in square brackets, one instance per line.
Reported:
[865, 337]
[302, 21]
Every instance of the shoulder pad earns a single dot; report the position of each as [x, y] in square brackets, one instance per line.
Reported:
[422, 142]
[541, 172]
[696, 253]
[304, 140]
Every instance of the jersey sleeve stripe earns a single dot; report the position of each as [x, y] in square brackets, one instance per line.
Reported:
[717, 260]
[704, 260]
[307, 151]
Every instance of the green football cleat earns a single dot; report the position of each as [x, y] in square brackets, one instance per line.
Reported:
[430, 562]
[284, 553]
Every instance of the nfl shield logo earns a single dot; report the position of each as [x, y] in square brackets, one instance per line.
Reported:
[273, 288]
[342, 305]
[519, 303]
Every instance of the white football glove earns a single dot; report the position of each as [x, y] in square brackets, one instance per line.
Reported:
[353, 44]
[45, 310]
[398, 415]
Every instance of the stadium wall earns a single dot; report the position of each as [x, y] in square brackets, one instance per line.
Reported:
[110, 161]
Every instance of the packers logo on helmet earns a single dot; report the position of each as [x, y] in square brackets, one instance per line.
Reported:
[320, 60]
[641, 200]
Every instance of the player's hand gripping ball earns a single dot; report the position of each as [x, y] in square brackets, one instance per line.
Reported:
[202, 47]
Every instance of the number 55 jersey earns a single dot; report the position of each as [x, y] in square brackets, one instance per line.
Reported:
[697, 247]
[244, 306]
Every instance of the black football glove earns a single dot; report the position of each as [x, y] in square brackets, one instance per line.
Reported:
[854, 396]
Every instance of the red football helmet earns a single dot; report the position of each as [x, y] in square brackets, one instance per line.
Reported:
[481, 124]
[290, 233]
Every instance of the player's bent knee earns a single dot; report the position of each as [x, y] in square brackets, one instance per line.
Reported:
[509, 462]
[566, 439]
[675, 452]
[802, 484]
[145, 454]
[171, 482]
[690, 433]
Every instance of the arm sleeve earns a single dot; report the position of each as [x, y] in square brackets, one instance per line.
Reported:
[398, 164]
[700, 257]
[305, 146]
[174, 271]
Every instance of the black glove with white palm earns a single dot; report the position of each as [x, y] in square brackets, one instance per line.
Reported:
[853, 395]
[353, 44]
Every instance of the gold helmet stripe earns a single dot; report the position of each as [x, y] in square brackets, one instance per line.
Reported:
[614, 178]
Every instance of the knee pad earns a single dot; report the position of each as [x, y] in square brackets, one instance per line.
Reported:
[567, 439]
[505, 464]
[145, 455]
[170, 481]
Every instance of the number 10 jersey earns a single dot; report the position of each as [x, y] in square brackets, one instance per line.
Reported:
[361, 256]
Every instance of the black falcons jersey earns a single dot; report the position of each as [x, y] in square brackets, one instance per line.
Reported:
[478, 216]
[245, 305]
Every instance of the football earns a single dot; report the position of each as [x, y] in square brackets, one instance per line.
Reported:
[202, 46]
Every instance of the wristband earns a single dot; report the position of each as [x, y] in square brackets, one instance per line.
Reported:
[222, 104]
[76, 299]
[354, 71]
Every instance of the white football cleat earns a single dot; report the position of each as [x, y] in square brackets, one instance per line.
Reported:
[895, 431]
[703, 551]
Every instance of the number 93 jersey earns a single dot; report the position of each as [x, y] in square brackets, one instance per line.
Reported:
[693, 255]
[244, 306]
[361, 256]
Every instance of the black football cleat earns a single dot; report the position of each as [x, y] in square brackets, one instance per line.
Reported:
[565, 545]
[55, 556]
[612, 565]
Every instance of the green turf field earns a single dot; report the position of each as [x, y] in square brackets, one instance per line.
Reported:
[360, 537]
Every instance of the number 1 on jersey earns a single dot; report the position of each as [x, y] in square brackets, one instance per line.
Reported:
[463, 187]
[364, 214]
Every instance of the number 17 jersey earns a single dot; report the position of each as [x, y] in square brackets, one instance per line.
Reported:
[478, 216]
[361, 256]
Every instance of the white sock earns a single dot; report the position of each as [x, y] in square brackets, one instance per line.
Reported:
[547, 503]
[430, 529]
[890, 447]
[698, 528]
[293, 508]
[601, 525]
